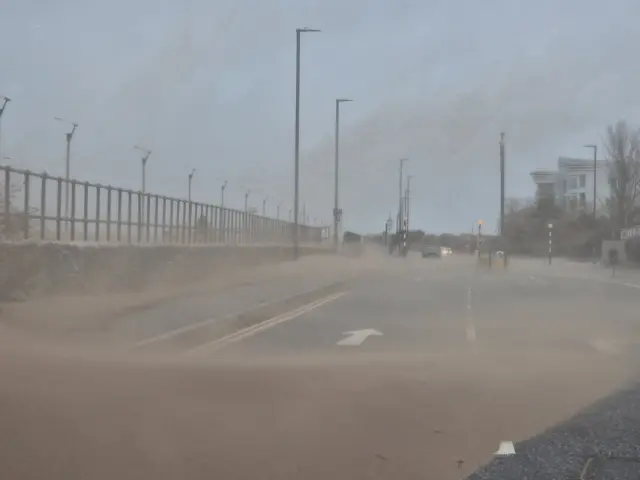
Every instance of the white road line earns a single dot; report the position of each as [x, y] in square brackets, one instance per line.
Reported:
[269, 323]
[193, 326]
[632, 285]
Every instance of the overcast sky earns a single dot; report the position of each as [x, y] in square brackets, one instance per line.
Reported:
[210, 84]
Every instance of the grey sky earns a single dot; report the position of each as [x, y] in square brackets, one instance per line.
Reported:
[210, 85]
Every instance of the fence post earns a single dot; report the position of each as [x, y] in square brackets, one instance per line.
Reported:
[27, 214]
[129, 206]
[164, 217]
[139, 229]
[72, 222]
[43, 205]
[58, 208]
[119, 217]
[98, 190]
[85, 219]
[7, 202]
[109, 190]
[147, 217]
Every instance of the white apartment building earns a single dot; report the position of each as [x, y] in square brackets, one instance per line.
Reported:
[571, 185]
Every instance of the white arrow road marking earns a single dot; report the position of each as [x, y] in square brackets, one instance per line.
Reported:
[356, 337]
[506, 448]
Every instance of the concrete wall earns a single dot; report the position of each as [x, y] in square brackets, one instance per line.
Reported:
[35, 269]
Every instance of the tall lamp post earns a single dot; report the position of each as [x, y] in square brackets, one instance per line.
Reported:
[246, 201]
[5, 100]
[502, 160]
[296, 231]
[264, 206]
[193, 171]
[69, 137]
[337, 212]
[595, 167]
[222, 188]
[400, 209]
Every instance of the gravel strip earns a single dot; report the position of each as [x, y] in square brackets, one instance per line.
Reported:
[601, 442]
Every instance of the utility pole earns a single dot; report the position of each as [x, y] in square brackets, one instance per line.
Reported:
[296, 230]
[264, 206]
[278, 211]
[193, 171]
[4, 104]
[502, 185]
[595, 167]
[69, 137]
[246, 201]
[337, 212]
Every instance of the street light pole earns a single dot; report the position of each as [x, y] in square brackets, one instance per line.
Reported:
[595, 167]
[224, 185]
[278, 211]
[4, 104]
[400, 212]
[69, 137]
[296, 231]
[264, 206]
[190, 179]
[502, 186]
[337, 213]
[246, 201]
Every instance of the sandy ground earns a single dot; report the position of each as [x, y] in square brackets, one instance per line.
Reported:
[422, 401]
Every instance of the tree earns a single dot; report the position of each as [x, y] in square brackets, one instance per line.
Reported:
[622, 146]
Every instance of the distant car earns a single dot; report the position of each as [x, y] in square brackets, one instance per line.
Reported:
[431, 251]
[446, 251]
[500, 254]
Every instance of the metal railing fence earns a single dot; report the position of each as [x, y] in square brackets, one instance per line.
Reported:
[41, 206]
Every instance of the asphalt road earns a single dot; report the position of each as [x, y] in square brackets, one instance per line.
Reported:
[418, 369]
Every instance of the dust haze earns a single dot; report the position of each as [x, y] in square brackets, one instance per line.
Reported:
[79, 403]
[210, 86]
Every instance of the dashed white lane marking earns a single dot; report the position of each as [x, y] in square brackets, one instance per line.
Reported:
[470, 328]
[506, 448]
[537, 280]
[632, 285]
[259, 327]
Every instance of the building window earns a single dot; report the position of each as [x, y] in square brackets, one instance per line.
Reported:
[583, 199]
[573, 183]
[583, 181]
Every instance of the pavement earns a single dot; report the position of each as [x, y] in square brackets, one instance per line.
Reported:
[376, 367]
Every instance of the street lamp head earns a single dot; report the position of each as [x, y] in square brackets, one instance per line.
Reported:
[590, 146]
[6, 99]
[307, 30]
[341, 100]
